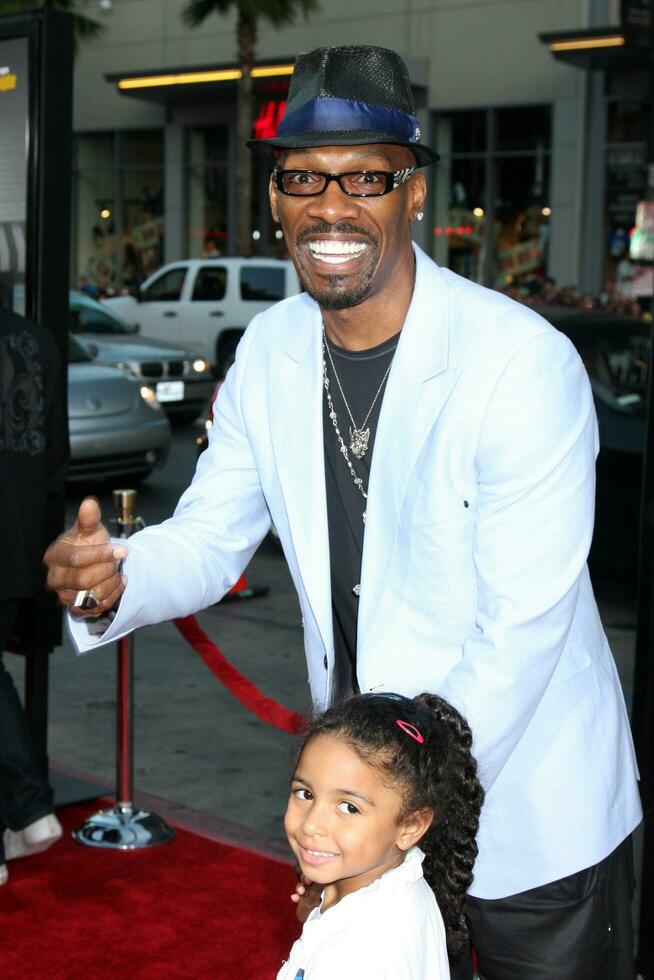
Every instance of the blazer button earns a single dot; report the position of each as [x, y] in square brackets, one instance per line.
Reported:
[325, 664]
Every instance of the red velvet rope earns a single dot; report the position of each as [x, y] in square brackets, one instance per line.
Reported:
[265, 708]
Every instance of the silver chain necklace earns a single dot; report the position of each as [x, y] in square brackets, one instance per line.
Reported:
[358, 482]
[359, 435]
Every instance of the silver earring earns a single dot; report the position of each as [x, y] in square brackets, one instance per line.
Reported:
[420, 215]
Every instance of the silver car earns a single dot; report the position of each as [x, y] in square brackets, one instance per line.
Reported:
[180, 379]
[115, 423]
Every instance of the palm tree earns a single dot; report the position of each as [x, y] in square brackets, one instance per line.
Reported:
[85, 27]
[249, 12]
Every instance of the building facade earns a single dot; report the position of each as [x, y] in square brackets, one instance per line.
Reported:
[542, 162]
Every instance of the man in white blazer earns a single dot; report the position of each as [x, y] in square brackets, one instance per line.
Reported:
[472, 522]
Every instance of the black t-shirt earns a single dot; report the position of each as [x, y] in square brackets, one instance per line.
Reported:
[360, 374]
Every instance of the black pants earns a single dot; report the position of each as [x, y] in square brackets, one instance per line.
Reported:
[25, 795]
[578, 928]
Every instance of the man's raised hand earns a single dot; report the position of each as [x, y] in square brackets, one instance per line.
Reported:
[83, 559]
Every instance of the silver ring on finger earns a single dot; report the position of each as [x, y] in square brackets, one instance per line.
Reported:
[85, 600]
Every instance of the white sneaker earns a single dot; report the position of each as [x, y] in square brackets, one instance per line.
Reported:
[33, 839]
[4, 874]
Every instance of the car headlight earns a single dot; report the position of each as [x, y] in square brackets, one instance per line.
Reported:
[128, 368]
[149, 397]
[200, 366]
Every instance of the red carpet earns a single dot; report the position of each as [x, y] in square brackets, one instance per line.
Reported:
[191, 908]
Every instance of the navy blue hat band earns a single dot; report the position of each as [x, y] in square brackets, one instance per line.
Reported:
[334, 115]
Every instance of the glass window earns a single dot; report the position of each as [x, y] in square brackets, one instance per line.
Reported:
[167, 287]
[143, 225]
[468, 131]
[627, 122]
[95, 151]
[95, 224]
[522, 219]
[492, 202]
[118, 229]
[207, 151]
[260, 282]
[210, 283]
[86, 319]
[460, 220]
[523, 128]
[142, 148]
[626, 178]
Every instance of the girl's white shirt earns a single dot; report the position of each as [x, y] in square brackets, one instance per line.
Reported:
[390, 930]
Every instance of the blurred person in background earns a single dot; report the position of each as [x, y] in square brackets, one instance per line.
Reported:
[33, 464]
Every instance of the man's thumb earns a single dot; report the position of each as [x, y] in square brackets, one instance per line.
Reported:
[89, 517]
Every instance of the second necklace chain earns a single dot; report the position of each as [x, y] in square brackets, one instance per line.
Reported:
[359, 435]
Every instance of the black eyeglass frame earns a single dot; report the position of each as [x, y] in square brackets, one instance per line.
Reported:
[393, 179]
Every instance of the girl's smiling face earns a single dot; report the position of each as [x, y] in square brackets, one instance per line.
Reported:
[342, 822]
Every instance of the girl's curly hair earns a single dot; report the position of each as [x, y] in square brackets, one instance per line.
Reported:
[439, 774]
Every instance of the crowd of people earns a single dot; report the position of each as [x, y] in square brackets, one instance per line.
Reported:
[544, 291]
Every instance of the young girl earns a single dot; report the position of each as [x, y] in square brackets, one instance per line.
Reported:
[376, 775]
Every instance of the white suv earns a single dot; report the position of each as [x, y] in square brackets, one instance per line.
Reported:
[206, 304]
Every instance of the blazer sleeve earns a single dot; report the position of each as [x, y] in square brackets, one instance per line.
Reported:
[191, 560]
[536, 494]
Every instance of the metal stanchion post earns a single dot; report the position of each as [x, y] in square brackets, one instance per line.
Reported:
[123, 827]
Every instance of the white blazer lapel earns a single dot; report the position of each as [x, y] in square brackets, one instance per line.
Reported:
[297, 438]
[418, 387]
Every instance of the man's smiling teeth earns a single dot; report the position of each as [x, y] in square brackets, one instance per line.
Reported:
[336, 252]
[322, 854]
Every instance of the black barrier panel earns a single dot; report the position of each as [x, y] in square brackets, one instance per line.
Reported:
[36, 84]
[36, 77]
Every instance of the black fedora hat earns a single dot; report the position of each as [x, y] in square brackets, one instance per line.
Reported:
[349, 96]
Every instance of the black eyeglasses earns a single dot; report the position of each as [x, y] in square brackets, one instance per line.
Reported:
[355, 183]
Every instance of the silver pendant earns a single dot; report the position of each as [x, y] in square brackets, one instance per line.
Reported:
[359, 442]
[357, 590]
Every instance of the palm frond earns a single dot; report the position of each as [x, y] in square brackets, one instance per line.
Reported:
[281, 12]
[195, 12]
[278, 12]
[85, 27]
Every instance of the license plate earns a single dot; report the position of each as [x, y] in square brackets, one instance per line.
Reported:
[170, 391]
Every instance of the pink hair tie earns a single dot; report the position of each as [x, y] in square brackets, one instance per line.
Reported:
[410, 730]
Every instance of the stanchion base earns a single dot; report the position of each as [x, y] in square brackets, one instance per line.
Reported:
[123, 828]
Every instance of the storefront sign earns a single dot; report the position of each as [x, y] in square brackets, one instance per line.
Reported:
[8, 79]
[641, 246]
[521, 258]
[270, 115]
